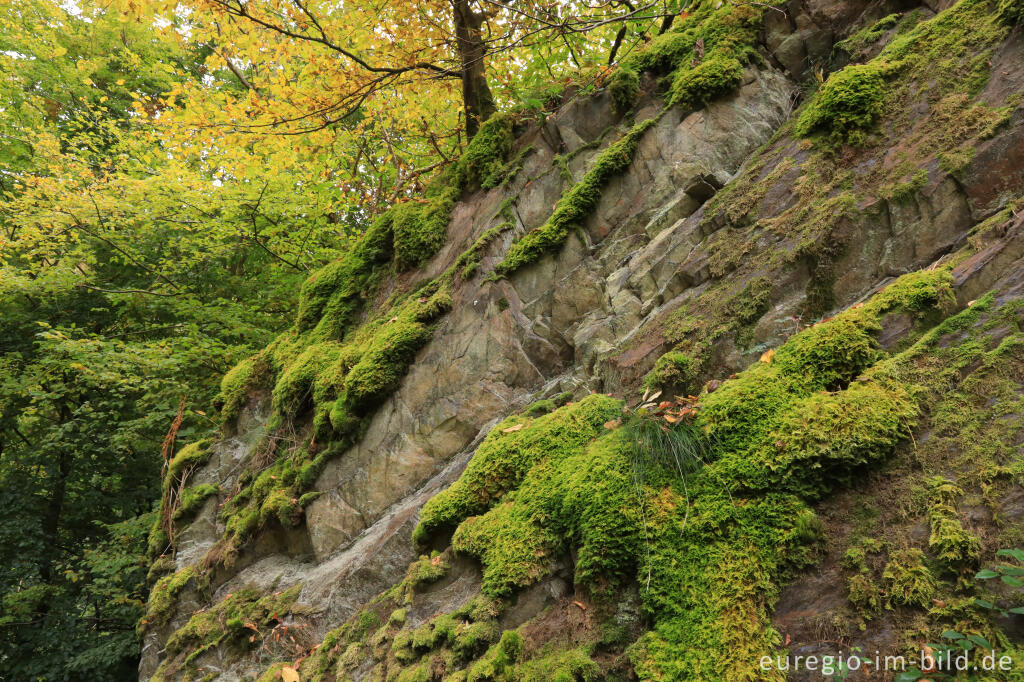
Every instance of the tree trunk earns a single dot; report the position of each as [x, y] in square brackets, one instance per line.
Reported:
[476, 95]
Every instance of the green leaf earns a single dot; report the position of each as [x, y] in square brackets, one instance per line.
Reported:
[951, 634]
[1015, 553]
[1018, 610]
[1012, 582]
[980, 641]
[986, 574]
[984, 604]
[909, 675]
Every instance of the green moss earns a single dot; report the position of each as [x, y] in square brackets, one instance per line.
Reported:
[623, 88]
[424, 571]
[499, 659]
[903, 189]
[575, 205]
[237, 620]
[950, 542]
[572, 665]
[506, 455]
[846, 106]
[164, 595]
[864, 595]
[908, 582]
[1011, 12]
[236, 385]
[192, 498]
[673, 369]
[717, 75]
[868, 35]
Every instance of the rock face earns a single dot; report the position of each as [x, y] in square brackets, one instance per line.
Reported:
[720, 206]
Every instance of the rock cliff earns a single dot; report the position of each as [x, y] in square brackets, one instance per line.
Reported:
[808, 218]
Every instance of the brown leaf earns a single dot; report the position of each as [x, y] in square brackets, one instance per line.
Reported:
[665, 404]
[670, 419]
[517, 427]
[712, 385]
[580, 604]
[613, 424]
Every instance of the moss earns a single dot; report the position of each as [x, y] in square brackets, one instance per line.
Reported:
[192, 498]
[846, 106]
[424, 571]
[506, 455]
[869, 35]
[950, 542]
[575, 205]
[903, 189]
[717, 75]
[908, 582]
[237, 620]
[499, 659]
[673, 369]
[572, 665]
[623, 88]
[468, 262]
[236, 385]
[164, 595]
[864, 595]
[1011, 12]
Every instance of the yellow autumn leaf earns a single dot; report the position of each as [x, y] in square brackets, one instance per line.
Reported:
[289, 674]
[767, 356]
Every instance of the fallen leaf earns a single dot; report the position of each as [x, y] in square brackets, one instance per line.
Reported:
[613, 424]
[767, 356]
[289, 674]
[580, 604]
[670, 419]
[517, 427]
[712, 385]
[654, 396]
[665, 404]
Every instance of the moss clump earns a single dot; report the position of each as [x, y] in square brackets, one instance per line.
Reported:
[950, 542]
[869, 35]
[846, 106]
[717, 75]
[809, 418]
[424, 571]
[237, 620]
[673, 369]
[507, 454]
[1011, 12]
[703, 55]
[575, 205]
[908, 582]
[164, 595]
[235, 387]
[623, 88]
[192, 498]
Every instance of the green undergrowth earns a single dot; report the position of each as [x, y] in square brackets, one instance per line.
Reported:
[700, 59]
[575, 205]
[240, 620]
